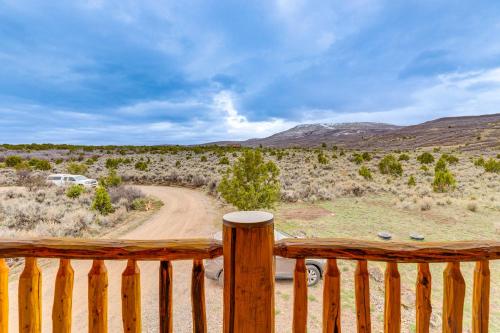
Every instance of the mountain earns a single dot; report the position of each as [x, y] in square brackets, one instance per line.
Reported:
[469, 132]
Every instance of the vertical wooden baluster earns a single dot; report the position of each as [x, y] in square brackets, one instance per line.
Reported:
[4, 296]
[481, 297]
[423, 298]
[30, 303]
[63, 293]
[362, 294]
[331, 298]
[300, 297]
[198, 297]
[166, 297]
[131, 298]
[98, 297]
[392, 313]
[453, 298]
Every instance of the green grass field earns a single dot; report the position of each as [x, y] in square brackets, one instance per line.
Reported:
[362, 218]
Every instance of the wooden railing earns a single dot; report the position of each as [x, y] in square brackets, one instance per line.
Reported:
[393, 253]
[29, 294]
[248, 247]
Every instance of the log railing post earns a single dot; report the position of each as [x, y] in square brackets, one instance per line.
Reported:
[30, 303]
[392, 312]
[331, 298]
[481, 297]
[423, 298]
[166, 322]
[131, 298]
[362, 295]
[4, 296]
[98, 297]
[299, 320]
[63, 296]
[248, 241]
[453, 298]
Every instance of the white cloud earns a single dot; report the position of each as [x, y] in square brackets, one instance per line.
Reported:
[155, 106]
[238, 126]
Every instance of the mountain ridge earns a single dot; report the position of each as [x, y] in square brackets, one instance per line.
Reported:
[468, 132]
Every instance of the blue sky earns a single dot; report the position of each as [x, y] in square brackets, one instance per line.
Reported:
[182, 72]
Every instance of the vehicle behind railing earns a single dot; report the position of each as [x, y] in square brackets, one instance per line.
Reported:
[248, 248]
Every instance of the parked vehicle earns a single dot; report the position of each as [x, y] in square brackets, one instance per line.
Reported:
[284, 267]
[66, 180]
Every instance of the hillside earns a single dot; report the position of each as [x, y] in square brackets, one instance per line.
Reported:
[469, 132]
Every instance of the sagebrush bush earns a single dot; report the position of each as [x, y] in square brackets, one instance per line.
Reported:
[444, 181]
[141, 166]
[12, 161]
[365, 173]
[224, 161]
[425, 158]
[39, 164]
[492, 165]
[111, 180]
[322, 159]
[411, 181]
[390, 166]
[77, 168]
[404, 157]
[440, 165]
[74, 191]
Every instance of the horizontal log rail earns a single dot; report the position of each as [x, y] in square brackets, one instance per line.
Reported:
[414, 252]
[64, 248]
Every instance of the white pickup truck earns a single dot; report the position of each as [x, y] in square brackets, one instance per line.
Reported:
[66, 180]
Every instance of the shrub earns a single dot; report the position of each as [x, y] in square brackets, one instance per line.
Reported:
[389, 165]
[491, 165]
[440, 165]
[365, 173]
[43, 165]
[251, 183]
[111, 180]
[322, 159]
[224, 161]
[366, 156]
[77, 168]
[425, 158]
[177, 164]
[203, 158]
[444, 181]
[411, 181]
[451, 159]
[113, 163]
[12, 161]
[102, 201]
[142, 204]
[479, 162]
[358, 159]
[404, 157]
[74, 191]
[424, 168]
[22, 166]
[141, 166]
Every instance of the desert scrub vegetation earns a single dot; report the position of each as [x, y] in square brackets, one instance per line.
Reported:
[390, 166]
[365, 173]
[425, 158]
[63, 212]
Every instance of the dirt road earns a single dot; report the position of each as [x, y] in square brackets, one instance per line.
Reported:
[186, 214]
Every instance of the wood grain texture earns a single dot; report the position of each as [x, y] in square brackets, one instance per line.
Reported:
[63, 298]
[388, 251]
[29, 297]
[331, 298]
[453, 298]
[166, 319]
[362, 296]
[198, 297]
[423, 298]
[481, 297]
[131, 298]
[392, 307]
[248, 279]
[98, 297]
[300, 297]
[4, 297]
[70, 248]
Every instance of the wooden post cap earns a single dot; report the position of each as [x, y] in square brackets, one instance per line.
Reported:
[248, 219]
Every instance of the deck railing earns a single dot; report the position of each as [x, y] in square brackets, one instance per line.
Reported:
[248, 247]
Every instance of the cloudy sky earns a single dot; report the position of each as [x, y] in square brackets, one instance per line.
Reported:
[181, 72]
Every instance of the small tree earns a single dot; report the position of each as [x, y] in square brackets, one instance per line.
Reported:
[251, 183]
[365, 173]
[102, 201]
[74, 191]
[440, 165]
[425, 158]
[389, 165]
[111, 180]
[444, 181]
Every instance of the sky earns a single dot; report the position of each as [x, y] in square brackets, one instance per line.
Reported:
[185, 72]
